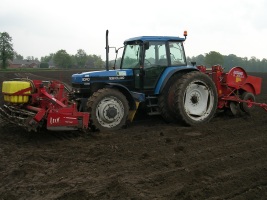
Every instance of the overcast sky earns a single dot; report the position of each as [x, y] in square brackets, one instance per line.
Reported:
[41, 27]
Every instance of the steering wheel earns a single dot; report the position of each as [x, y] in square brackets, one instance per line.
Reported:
[147, 63]
[173, 57]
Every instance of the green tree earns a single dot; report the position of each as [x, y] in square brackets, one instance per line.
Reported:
[231, 60]
[44, 65]
[198, 59]
[73, 61]
[254, 64]
[31, 58]
[213, 58]
[264, 65]
[17, 56]
[6, 49]
[94, 61]
[250, 65]
[98, 62]
[47, 58]
[81, 58]
[62, 59]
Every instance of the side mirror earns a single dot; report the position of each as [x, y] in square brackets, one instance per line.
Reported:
[146, 44]
[193, 63]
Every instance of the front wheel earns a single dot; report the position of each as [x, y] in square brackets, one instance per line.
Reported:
[195, 99]
[108, 109]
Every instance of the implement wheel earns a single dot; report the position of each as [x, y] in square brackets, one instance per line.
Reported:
[247, 106]
[108, 109]
[195, 99]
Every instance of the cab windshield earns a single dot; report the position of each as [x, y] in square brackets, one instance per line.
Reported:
[131, 56]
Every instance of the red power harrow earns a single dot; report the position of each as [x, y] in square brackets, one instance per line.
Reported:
[34, 104]
[236, 90]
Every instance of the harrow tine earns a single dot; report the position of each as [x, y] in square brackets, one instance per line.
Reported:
[10, 115]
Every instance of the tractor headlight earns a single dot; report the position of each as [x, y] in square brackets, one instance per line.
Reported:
[76, 90]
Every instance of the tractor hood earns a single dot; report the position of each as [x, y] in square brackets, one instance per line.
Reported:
[102, 76]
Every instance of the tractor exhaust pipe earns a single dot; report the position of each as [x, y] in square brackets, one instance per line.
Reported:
[107, 51]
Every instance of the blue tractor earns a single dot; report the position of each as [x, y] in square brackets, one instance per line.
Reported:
[153, 75]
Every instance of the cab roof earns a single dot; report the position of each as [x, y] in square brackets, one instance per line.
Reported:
[155, 38]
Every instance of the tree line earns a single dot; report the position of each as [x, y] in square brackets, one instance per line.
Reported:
[62, 59]
[229, 61]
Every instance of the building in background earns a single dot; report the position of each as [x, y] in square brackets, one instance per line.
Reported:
[23, 64]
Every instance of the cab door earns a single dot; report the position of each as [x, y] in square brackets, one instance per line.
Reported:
[155, 61]
[147, 60]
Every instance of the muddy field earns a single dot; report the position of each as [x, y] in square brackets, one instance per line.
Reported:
[224, 159]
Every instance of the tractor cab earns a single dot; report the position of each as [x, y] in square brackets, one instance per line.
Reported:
[149, 56]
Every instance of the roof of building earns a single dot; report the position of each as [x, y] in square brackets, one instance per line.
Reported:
[24, 62]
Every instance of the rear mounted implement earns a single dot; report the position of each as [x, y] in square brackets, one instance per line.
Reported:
[236, 90]
[35, 104]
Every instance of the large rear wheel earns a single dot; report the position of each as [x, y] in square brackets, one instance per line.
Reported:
[108, 109]
[195, 99]
[166, 99]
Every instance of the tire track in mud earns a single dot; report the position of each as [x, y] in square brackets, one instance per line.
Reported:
[212, 167]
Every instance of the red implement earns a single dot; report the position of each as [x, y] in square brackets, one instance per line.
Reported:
[47, 106]
[235, 88]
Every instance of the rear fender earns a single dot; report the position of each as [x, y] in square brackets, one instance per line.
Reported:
[253, 85]
[168, 73]
[248, 87]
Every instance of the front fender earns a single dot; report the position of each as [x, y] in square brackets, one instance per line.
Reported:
[126, 92]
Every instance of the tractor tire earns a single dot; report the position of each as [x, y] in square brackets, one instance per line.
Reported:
[247, 107]
[195, 99]
[108, 110]
[166, 100]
